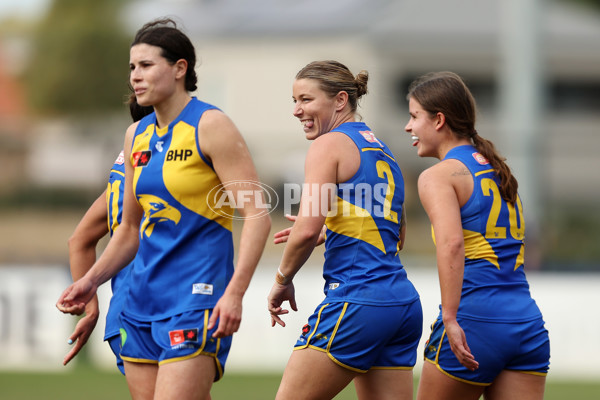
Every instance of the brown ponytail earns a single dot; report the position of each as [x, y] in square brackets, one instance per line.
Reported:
[445, 92]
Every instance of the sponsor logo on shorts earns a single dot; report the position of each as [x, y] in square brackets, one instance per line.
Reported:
[305, 329]
[202, 288]
[333, 286]
[181, 336]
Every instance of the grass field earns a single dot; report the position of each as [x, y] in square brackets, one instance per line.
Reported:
[91, 384]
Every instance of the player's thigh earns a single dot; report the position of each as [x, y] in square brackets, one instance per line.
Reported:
[516, 385]
[311, 374]
[384, 384]
[434, 384]
[141, 379]
[190, 378]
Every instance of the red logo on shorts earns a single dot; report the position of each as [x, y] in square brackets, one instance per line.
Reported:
[183, 335]
[305, 329]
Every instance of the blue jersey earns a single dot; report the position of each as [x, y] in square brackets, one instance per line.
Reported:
[185, 256]
[362, 264]
[119, 283]
[494, 285]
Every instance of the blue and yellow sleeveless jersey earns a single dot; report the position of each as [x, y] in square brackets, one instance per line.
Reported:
[362, 264]
[119, 283]
[185, 256]
[494, 285]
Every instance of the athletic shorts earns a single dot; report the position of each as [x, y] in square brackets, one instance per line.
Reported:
[522, 347]
[363, 337]
[115, 345]
[180, 337]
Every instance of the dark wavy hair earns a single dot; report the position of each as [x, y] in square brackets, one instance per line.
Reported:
[175, 45]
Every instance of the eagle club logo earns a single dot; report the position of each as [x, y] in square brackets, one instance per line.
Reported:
[156, 211]
[141, 158]
[180, 336]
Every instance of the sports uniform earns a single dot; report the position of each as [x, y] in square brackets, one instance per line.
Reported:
[502, 323]
[119, 283]
[371, 316]
[185, 256]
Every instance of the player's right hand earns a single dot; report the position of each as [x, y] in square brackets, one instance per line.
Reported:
[458, 344]
[283, 235]
[75, 297]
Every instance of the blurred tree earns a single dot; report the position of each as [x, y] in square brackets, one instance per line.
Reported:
[80, 58]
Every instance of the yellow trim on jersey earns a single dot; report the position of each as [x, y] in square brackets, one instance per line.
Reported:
[350, 220]
[483, 172]
[477, 247]
[520, 258]
[141, 142]
[381, 150]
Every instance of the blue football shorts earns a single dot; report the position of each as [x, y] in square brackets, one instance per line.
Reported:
[363, 337]
[115, 345]
[180, 337]
[519, 346]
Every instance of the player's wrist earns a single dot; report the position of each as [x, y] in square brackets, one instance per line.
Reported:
[281, 278]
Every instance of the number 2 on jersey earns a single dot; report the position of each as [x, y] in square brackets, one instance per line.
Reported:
[517, 225]
[384, 171]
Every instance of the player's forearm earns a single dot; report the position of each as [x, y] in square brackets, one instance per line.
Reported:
[119, 252]
[300, 246]
[252, 243]
[451, 272]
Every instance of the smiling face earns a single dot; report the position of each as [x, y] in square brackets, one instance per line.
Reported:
[314, 108]
[422, 127]
[152, 77]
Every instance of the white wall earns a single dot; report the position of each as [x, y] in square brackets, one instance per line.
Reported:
[33, 333]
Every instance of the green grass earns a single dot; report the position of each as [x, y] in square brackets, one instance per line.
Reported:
[90, 384]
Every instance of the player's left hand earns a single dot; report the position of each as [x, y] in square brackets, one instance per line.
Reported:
[280, 293]
[228, 312]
